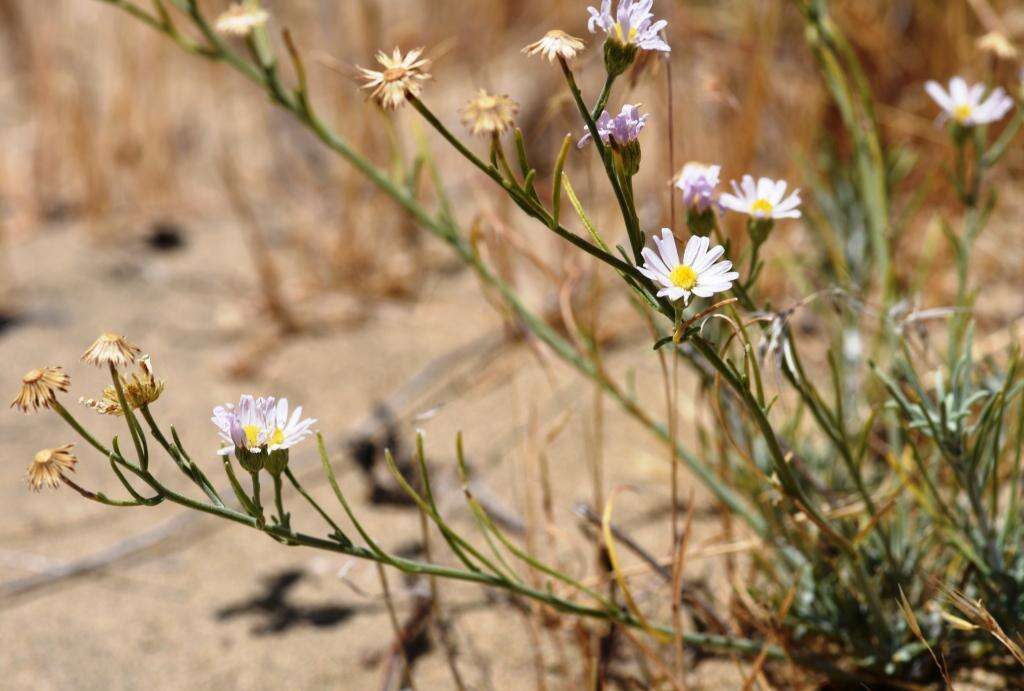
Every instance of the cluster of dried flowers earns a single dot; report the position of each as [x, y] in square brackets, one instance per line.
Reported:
[259, 431]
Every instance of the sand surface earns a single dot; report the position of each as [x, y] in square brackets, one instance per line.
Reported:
[217, 605]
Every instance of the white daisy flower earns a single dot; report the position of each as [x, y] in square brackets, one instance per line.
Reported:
[260, 425]
[968, 105]
[630, 25]
[699, 273]
[766, 199]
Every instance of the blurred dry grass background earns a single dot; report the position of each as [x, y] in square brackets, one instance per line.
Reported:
[107, 124]
[109, 130]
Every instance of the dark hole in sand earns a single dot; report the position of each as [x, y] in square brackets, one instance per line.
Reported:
[9, 320]
[166, 236]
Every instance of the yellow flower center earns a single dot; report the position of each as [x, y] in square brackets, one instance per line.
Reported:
[962, 113]
[393, 74]
[763, 207]
[32, 377]
[252, 435]
[683, 276]
[628, 38]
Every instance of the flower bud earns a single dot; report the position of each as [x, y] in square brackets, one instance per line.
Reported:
[700, 222]
[252, 461]
[760, 229]
[629, 156]
[618, 56]
[276, 461]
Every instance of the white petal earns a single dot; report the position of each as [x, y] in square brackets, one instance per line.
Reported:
[789, 204]
[975, 93]
[749, 189]
[708, 259]
[714, 271]
[939, 95]
[653, 261]
[958, 90]
[667, 247]
[732, 202]
[778, 192]
[692, 248]
[653, 275]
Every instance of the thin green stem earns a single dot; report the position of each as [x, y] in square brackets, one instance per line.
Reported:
[282, 516]
[628, 214]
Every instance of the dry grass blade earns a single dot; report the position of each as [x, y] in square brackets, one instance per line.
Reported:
[980, 617]
[908, 613]
[613, 559]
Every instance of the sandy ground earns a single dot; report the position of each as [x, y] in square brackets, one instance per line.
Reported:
[218, 606]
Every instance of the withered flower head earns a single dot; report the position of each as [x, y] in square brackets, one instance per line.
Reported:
[46, 468]
[489, 114]
[556, 44]
[111, 348]
[998, 45]
[401, 76]
[39, 388]
[141, 389]
[240, 19]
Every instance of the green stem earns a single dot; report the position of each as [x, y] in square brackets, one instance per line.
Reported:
[312, 502]
[138, 438]
[73, 423]
[257, 500]
[627, 212]
[190, 470]
[602, 99]
[283, 518]
[526, 204]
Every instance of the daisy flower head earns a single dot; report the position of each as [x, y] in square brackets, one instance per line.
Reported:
[699, 272]
[631, 25]
[556, 44]
[402, 76]
[39, 388]
[697, 182]
[240, 19]
[48, 466]
[764, 200]
[620, 130]
[259, 431]
[969, 106]
[489, 114]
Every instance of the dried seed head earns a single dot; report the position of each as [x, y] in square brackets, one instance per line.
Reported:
[401, 77]
[240, 19]
[997, 44]
[141, 389]
[489, 114]
[46, 468]
[107, 405]
[39, 388]
[556, 44]
[111, 348]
